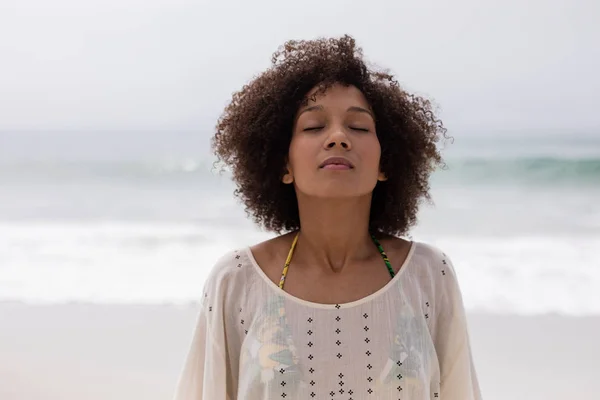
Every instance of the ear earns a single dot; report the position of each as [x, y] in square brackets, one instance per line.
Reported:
[381, 177]
[288, 177]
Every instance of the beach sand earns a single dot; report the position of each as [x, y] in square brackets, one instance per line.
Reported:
[92, 352]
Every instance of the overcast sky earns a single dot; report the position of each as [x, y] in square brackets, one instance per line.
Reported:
[173, 64]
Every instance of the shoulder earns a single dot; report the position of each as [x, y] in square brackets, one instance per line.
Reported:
[227, 272]
[274, 247]
[431, 254]
[271, 254]
[235, 268]
[433, 267]
[232, 281]
[424, 256]
[397, 249]
[228, 263]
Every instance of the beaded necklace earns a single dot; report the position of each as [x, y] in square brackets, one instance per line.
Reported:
[293, 247]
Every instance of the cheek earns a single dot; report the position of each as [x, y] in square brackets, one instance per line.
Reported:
[371, 153]
[301, 154]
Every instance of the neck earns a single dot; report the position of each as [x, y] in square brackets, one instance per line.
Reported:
[334, 232]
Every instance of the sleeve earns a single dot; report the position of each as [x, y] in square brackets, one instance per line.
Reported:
[205, 372]
[458, 378]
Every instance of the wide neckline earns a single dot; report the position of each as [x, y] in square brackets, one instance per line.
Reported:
[350, 304]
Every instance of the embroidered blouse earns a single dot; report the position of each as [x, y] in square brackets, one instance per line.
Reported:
[408, 340]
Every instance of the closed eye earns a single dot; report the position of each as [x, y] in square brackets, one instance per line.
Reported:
[359, 129]
[314, 128]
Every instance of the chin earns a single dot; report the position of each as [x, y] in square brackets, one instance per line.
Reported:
[338, 192]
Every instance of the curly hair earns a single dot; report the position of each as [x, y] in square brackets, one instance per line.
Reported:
[254, 132]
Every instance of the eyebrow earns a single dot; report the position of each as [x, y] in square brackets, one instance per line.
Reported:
[360, 109]
[311, 108]
[352, 108]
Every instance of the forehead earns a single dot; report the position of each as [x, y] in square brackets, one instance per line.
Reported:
[336, 94]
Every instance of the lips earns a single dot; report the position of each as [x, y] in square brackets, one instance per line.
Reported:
[338, 163]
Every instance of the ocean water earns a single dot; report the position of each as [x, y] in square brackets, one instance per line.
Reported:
[122, 217]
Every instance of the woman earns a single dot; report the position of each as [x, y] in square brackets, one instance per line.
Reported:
[337, 156]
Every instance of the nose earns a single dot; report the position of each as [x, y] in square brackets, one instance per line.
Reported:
[338, 138]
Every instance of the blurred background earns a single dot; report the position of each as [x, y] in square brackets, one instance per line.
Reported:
[111, 216]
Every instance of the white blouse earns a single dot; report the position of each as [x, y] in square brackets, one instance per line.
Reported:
[406, 341]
